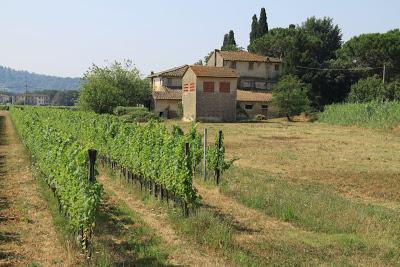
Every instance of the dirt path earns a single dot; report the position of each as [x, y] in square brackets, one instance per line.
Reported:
[27, 234]
[184, 254]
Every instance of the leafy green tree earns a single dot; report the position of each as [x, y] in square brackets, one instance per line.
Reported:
[120, 84]
[312, 45]
[290, 96]
[373, 89]
[372, 50]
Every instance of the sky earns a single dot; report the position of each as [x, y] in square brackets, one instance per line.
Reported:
[64, 37]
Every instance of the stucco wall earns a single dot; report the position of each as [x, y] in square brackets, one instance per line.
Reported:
[159, 82]
[172, 82]
[167, 106]
[211, 61]
[216, 105]
[189, 98]
[271, 112]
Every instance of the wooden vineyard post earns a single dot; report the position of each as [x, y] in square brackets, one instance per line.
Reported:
[92, 161]
[218, 174]
[205, 155]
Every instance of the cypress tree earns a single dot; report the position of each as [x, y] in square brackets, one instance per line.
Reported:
[226, 40]
[254, 28]
[231, 38]
[262, 23]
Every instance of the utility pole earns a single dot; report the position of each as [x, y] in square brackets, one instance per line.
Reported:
[384, 73]
[26, 91]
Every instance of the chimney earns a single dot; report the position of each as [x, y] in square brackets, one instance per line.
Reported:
[215, 57]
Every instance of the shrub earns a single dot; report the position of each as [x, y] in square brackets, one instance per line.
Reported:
[119, 111]
[260, 117]
[139, 114]
[372, 88]
[3, 107]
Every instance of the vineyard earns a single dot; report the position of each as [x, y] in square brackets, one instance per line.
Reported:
[59, 140]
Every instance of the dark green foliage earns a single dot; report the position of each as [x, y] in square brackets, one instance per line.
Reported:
[262, 23]
[254, 28]
[15, 81]
[229, 43]
[290, 96]
[313, 44]
[258, 27]
[118, 85]
[373, 50]
[373, 88]
[3, 107]
[231, 38]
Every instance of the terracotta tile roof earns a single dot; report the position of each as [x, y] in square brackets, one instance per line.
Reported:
[253, 96]
[246, 56]
[167, 94]
[174, 72]
[218, 72]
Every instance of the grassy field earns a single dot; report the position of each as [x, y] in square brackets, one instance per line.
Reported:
[338, 187]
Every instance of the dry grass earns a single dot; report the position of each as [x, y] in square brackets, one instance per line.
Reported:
[336, 186]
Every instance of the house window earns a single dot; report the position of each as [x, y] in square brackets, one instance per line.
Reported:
[276, 67]
[224, 87]
[208, 87]
[264, 107]
[233, 64]
[169, 81]
[248, 106]
[251, 65]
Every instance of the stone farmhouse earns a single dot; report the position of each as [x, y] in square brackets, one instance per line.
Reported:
[230, 80]
[33, 99]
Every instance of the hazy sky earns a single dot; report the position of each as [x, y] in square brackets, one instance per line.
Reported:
[64, 37]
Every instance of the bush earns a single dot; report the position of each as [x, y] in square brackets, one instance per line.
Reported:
[260, 117]
[3, 107]
[373, 89]
[137, 114]
[119, 111]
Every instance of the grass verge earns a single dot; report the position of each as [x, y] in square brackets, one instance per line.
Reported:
[204, 227]
[355, 229]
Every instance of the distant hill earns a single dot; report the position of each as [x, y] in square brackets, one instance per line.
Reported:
[14, 81]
